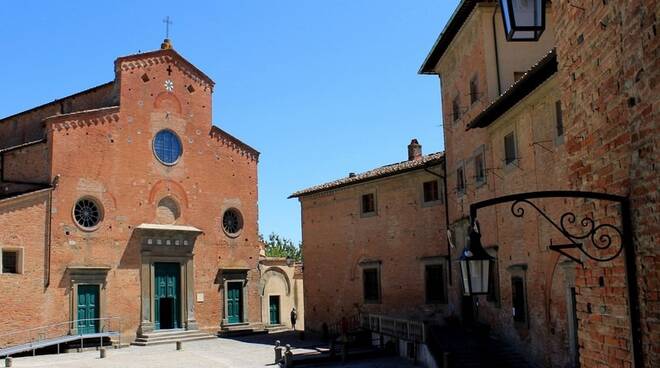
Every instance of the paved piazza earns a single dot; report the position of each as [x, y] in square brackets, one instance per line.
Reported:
[218, 353]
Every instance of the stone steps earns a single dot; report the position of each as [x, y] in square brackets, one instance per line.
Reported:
[170, 337]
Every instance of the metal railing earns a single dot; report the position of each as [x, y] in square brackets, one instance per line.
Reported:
[34, 337]
[401, 328]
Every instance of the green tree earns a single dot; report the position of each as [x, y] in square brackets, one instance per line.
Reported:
[279, 246]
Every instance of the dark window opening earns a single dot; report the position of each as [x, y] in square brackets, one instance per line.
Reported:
[431, 192]
[371, 280]
[460, 180]
[493, 283]
[509, 148]
[474, 90]
[368, 203]
[559, 121]
[9, 261]
[456, 109]
[435, 284]
[518, 300]
[479, 168]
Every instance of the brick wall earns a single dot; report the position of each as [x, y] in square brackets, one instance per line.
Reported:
[107, 154]
[337, 239]
[608, 61]
[23, 221]
[519, 244]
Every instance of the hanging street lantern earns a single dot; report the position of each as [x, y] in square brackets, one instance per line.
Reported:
[475, 263]
[524, 20]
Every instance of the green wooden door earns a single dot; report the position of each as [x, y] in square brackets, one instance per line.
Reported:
[88, 309]
[235, 302]
[274, 308]
[167, 298]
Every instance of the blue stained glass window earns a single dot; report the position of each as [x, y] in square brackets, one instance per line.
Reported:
[167, 147]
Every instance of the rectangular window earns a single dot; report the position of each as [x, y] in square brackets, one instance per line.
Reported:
[456, 109]
[368, 203]
[436, 290]
[480, 167]
[371, 283]
[474, 90]
[493, 282]
[509, 148]
[460, 180]
[559, 121]
[10, 261]
[518, 300]
[431, 193]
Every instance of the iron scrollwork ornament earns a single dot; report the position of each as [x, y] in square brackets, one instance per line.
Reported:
[604, 238]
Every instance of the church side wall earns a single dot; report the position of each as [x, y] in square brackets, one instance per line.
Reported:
[29, 164]
[23, 221]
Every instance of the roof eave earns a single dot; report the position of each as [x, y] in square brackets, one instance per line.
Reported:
[536, 76]
[427, 164]
[445, 38]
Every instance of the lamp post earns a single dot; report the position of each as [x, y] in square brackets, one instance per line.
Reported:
[475, 263]
[524, 20]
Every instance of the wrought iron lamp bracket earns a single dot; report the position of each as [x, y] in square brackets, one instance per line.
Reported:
[590, 237]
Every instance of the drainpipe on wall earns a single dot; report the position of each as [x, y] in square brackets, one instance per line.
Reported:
[497, 56]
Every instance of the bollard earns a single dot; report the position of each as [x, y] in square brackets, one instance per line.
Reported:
[288, 357]
[8, 362]
[278, 351]
[102, 353]
[178, 345]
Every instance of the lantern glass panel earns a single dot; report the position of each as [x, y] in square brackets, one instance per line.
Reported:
[465, 275]
[479, 276]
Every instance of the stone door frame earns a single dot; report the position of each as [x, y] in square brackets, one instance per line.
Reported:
[148, 289]
[84, 275]
[235, 275]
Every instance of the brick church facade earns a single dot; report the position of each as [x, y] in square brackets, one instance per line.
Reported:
[125, 201]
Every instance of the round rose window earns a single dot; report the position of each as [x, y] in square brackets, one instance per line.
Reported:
[167, 147]
[232, 222]
[87, 213]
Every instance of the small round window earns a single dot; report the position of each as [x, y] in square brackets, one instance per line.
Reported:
[87, 213]
[167, 147]
[232, 222]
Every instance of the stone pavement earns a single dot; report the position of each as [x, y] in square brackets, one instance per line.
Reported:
[253, 351]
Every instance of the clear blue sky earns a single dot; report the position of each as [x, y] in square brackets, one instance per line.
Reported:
[320, 88]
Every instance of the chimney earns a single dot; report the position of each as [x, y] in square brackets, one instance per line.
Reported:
[414, 150]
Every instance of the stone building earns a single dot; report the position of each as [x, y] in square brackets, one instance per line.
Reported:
[375, 243]
[521, 117]
[125, 201]
[281, 290]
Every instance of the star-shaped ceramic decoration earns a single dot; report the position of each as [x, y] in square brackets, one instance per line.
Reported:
[169, 85]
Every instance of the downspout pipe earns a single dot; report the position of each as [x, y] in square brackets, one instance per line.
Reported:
[444, 183]
[497, 55]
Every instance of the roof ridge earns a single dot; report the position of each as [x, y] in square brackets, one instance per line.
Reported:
[376, 173]
[2, 120]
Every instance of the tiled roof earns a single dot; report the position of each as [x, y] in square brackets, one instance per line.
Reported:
[532, 79]
[381, 172]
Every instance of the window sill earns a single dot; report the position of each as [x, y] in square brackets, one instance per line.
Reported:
[432, 203]
[368, 214]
